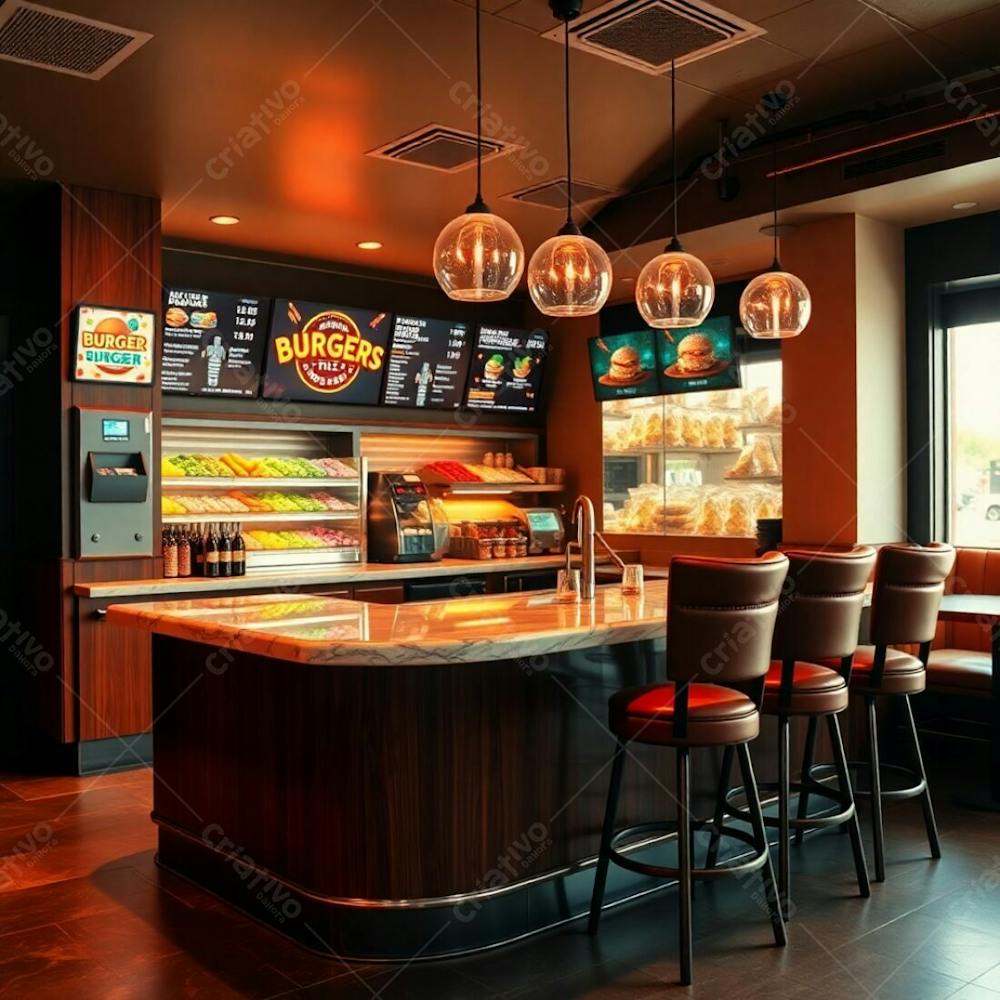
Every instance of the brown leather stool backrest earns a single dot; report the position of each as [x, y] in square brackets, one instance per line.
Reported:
[909, 582]
[824, 597]
[720, 617]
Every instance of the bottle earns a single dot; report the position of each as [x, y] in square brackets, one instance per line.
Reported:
[169, 550]
[184, 552]
[198, 550]
[211, 553]
[239, 553]
[225, 551]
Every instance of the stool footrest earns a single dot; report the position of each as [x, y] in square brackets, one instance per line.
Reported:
[918, 787]
[664, 871]
[813, 787]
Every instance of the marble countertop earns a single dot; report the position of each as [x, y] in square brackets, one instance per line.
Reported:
[287, 579]
[330, 631]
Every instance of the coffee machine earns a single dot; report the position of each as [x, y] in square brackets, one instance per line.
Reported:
[400, 521]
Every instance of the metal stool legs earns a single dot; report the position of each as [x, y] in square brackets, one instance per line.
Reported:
[925, 798]
[604, 855]
[875, 779]
[808, 756]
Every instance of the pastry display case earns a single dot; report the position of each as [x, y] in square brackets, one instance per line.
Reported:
[706, 463]
[295, 490]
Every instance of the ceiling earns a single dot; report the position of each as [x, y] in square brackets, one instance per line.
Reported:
[351, 76]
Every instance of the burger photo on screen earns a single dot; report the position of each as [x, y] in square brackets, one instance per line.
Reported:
[696, 357]
[624, 368]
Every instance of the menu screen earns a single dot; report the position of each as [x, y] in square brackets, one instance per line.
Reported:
[703, 357]
[213, 343]
[326, 354]
[624, 365]
[506, 369]
[427, 363]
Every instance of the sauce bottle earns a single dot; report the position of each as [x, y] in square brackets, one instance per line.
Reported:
[239, 553]
[225, 551]
[211, 553]
[184, 552]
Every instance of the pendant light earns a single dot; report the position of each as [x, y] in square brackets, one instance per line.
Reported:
[478, 257]
[776, 305]
[675, 289]
[569, 274]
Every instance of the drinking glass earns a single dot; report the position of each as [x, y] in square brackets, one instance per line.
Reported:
[632, 579]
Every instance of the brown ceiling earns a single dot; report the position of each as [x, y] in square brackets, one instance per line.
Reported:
[369, 73]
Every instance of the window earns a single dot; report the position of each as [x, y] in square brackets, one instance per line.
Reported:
[705, 463]
[973, 435]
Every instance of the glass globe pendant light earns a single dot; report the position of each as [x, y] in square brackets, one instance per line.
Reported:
[675, 289]
[478, 257]
[569, 274]
[775, 305]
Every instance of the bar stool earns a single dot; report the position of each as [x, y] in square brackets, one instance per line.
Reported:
[720, 617]
[909, 582]
[818, 621]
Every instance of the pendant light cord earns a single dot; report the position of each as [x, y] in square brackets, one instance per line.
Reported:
[569, 149]
[775, 266]
[479, 112]
[673, 137]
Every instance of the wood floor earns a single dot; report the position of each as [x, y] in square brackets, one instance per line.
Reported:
[84, 912]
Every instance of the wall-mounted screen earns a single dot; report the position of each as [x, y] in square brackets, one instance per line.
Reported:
[326, 354]
[427, 363]
[114, 345]
[701, 358]
[213, 343]
[624, 365]
[506, 369]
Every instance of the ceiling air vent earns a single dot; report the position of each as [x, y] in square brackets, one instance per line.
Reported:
[647, 34]
[439, 147]
[892, 161]
[552, 194]
[66, 43]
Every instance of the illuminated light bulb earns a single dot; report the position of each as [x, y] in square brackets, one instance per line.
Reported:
[569, 275]
[478, 257]
[775, 305]
[675, 290]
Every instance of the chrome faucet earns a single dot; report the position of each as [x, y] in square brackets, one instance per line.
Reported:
[586, 535]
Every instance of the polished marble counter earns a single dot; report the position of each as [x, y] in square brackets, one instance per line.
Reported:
[323, 630]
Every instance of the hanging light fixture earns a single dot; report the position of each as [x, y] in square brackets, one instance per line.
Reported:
[675, 289]
[478, 257]
[775, 305]
[569, 274]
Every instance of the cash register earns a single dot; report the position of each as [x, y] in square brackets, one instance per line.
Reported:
[400, 519]
[546, 533]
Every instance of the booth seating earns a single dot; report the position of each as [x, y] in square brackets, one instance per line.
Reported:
[960, 662]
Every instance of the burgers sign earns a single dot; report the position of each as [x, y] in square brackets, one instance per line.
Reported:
[114, 345]
[325, 353]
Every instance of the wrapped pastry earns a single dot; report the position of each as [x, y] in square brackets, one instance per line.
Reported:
[756, 403]
[774, 415]
[675, 517]
[764, 506]
[714, 432]
[731, 437]
[709, 520]
[776, 445]
[636, 431]
[692, 430]
[765, 464]
[653, 430]
[673, 433]
[738, 518]
[743, 465]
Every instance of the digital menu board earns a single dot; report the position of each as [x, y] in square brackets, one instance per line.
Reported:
[325, 354]
[703, 357]
[506, 369]
[427, 363]
[213, 343]
[624, 365]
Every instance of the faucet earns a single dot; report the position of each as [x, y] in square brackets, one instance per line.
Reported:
[586, 535]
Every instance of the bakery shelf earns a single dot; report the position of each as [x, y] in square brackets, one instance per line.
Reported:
[480, 489]
[659, 450]
[761, 428]
[261, 560]
[252, 482]
[250, 517]
[776, 480]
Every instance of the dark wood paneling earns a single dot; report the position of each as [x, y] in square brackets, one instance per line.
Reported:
[380, 593]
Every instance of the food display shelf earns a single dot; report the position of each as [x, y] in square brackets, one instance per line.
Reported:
[485, 489]
[260, 560]
[774, 480]
[658, 450]
[761, 428]
[261, 517]
[254, 483]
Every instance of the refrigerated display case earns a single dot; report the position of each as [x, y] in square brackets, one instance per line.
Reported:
[296, 490]
[705, 464]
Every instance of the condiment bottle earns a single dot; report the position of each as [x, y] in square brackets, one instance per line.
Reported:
[239, 553]
[184, 553]
[169, 550]
[225, 552]
[211, 553]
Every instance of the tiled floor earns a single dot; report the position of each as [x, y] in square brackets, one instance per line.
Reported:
[84, 912]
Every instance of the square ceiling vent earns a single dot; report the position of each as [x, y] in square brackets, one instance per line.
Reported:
[439, 147]
[39, 36]
[648, 34]
[552, 194]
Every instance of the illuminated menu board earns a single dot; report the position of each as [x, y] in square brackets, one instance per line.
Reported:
[326, 354]
[427, 363]
[506, 369]
[213, 343]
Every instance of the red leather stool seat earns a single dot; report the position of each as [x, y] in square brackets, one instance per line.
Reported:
[960, 671]
[904, 674]
[716, 715]
[816, 690]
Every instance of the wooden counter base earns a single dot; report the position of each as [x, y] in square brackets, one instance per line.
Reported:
[375, 814]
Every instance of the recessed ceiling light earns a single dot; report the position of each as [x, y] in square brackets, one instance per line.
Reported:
[627, 279]
[959, 205]
[369, 245]
[224, 220]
